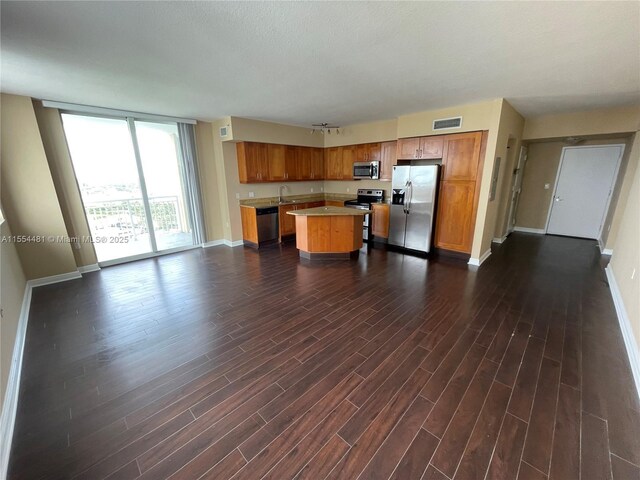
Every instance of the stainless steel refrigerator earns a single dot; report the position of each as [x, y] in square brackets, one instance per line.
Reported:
[413, 198]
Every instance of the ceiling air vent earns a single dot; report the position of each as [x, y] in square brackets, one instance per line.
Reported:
[445, 123]
[224, 131]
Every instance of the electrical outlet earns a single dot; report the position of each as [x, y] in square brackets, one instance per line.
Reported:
[322, 189]
[312, 190]
[348, 189]
[252, 195]
[238, 196]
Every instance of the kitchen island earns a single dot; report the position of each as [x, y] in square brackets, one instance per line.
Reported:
[329, 232]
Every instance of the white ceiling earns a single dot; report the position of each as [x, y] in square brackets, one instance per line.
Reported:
[341, 62]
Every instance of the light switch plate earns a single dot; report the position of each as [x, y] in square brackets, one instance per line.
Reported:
[238, 196]
[547, 186]
[252, 195]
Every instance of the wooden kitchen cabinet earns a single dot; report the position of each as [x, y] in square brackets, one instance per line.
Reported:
[461, 154]
[287, 222]
[431, 148]
[380, 220]
[333, 163]
[421, 148]
[279, 166]
[317, 163]
[454, 222]
[368, 152]
[387, 160]
[408, 148]
[249, 224]
[333, 203]
[253, 162]
[348, 159]
[462, 159]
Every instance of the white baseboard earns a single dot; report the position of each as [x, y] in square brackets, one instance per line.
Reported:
[89, 268]
[476, 262]
[539, 231]
[226, 242]
[499, 239]
[625, 327]
[604, 251]
[10, 404]
[63, 277]
[237, 243]
[212, 243]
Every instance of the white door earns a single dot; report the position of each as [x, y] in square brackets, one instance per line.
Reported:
[516, 188]
[584, 185]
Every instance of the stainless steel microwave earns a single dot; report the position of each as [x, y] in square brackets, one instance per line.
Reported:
[366, 170]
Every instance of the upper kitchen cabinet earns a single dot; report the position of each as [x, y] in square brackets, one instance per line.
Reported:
[461, 155]
[421, 148]
[253, 162]
[317, 163]
[387, 160]
[368, 152]
[279, 167]
[348, 158]
[333, 163]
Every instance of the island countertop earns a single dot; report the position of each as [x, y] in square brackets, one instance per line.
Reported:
[329, 212]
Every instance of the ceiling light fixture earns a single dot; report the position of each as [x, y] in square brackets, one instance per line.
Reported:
[325, 127]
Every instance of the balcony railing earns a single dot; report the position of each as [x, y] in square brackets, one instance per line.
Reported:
[126, 217]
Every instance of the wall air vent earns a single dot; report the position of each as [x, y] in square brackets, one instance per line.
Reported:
[224, 131]
[445, 123]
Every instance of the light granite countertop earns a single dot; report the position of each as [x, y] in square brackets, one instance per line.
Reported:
[312, 197]
[329, 212]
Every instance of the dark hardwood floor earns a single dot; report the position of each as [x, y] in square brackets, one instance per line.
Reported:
[228, 363]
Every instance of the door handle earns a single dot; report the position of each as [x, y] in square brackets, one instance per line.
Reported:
[406, 196]
[410, 193]
[557, 199]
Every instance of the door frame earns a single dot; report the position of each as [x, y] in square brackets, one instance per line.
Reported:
[613, 184]
[513, 206]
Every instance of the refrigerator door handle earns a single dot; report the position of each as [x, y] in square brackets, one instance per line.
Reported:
[406, 196]
[409, 195]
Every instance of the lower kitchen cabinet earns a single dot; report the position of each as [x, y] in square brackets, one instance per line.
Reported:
[454, 228]
[333, 203]
[287, 222]
[380, 220]
[249, 224]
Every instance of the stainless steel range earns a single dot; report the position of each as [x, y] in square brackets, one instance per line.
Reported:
[363, 202]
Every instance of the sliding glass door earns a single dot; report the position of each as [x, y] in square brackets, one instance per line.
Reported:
[159, 146]
[132, 181]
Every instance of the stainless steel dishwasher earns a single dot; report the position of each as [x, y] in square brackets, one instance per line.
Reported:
[267, 220]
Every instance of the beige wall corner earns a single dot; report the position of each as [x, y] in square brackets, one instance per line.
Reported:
[209, 182]
[28, 195]
[12, 289]
[508, 149]
[505, 123]
[592, 122]
[64, 180]
[628, 169]
[625, 261]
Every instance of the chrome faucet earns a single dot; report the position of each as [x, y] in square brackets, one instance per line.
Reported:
[281, 189]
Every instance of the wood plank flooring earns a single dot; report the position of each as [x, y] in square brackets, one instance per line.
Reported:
[231, 363]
